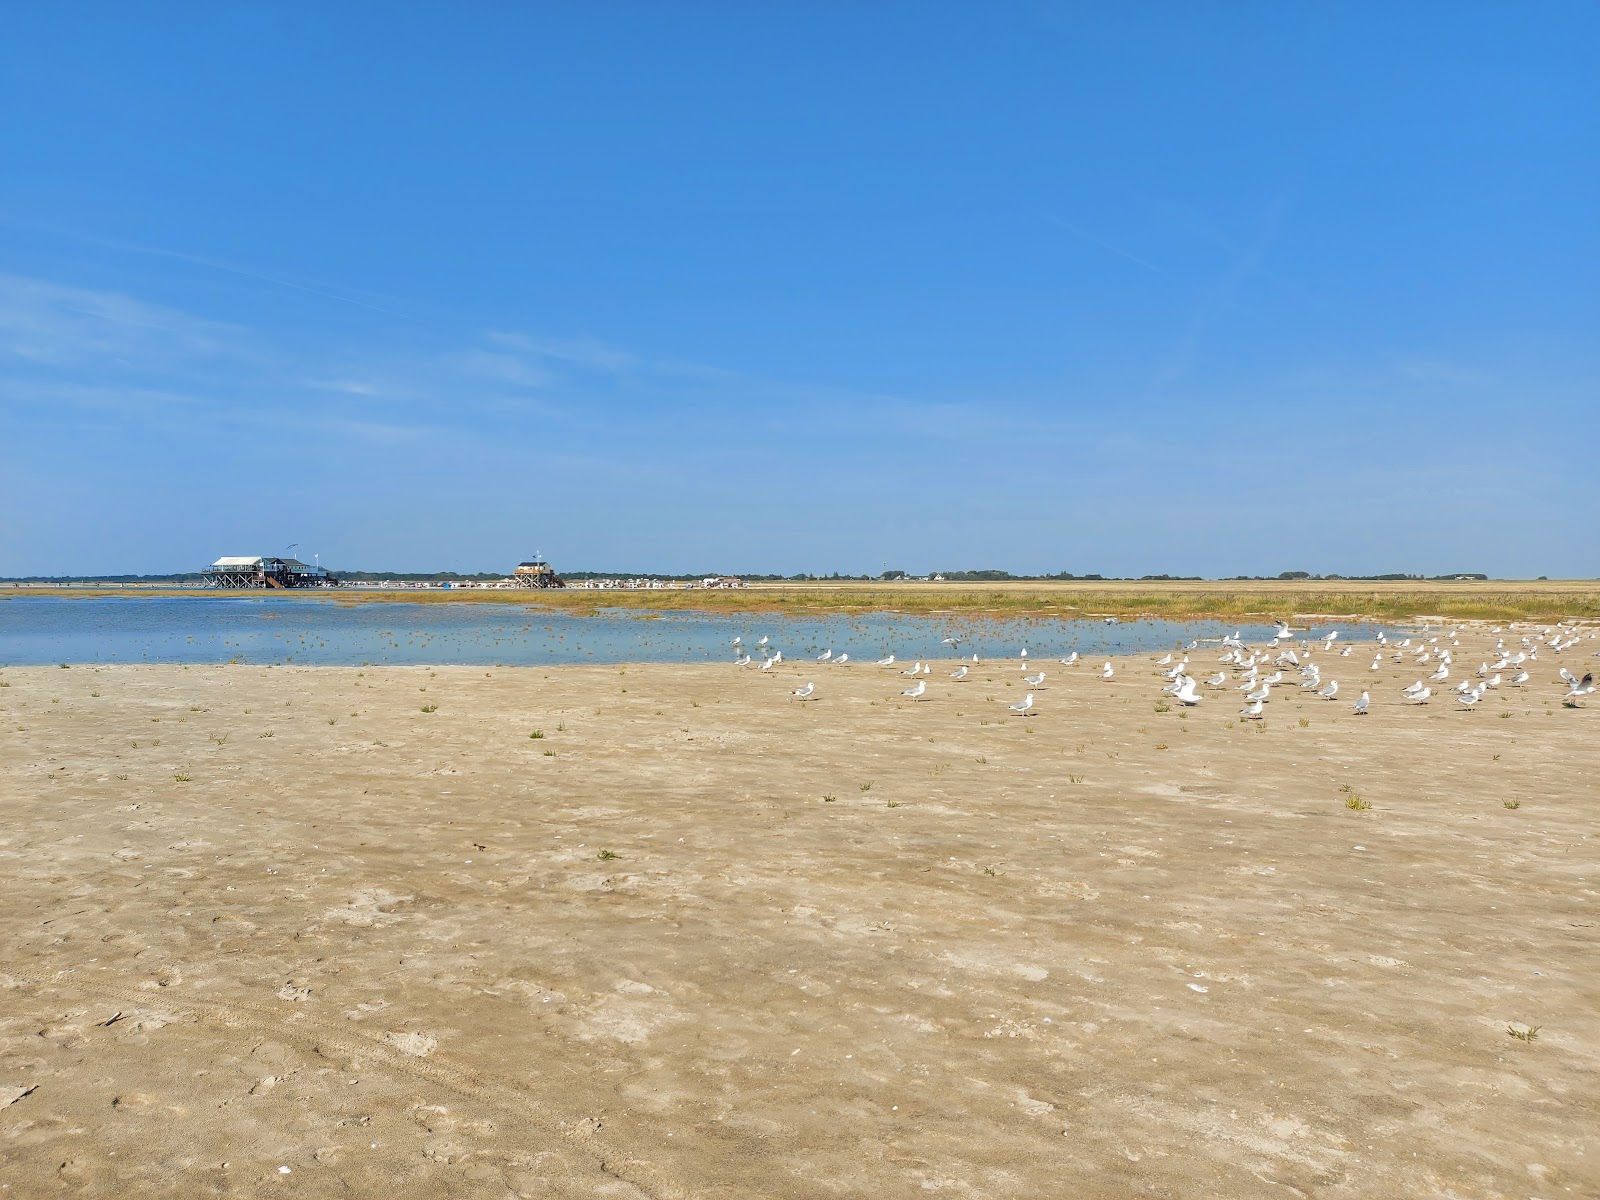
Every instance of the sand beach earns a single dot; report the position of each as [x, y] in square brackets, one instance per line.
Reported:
[663, 931]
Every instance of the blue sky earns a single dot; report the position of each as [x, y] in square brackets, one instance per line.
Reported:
[1190, 288]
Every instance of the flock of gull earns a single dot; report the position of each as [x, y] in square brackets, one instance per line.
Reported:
[1286, 660]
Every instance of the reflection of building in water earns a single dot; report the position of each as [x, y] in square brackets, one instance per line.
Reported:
[258, 571]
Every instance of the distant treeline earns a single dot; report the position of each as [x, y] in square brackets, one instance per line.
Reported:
[980, 576]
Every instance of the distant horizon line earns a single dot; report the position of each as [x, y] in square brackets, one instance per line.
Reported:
[989, 575]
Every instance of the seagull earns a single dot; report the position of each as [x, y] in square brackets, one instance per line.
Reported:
[1070, 660]
[1024, 652]
[1413, 689]
[1422, 696]
[825, 656]
[1329, 692]
[1362, 705]
[1023, 706]
[1217, 680]
[916, 668]
[886, 662]
[1251, 711]
[951, 642]
[777, 656]
[804, 693]
[1034, 680]
[1440, 675]
[1261, 695]
[1519, 678]
[763, 640]
[916, 691]
[1194, 644]
[1580, 687]
[1468, 699]
[842, 659]
[1106, 672]
[1187, 694]
[767, 664]
[959, 674]
[1282, 633]
[742, 661]
[1164, 660]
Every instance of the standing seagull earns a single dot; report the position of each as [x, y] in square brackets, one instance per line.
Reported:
[825, 656]
[916, 692]
[886, 662]
[1024, 707]
[1329, 692]
[804, 693]
[1107, 671]
[1251, 711]
[842, 659]
[1362, 705]
[1422, 696]
[1034, 680]
[1070, 660]
[959, 674]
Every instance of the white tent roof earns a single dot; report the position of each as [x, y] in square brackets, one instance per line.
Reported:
[253, 560]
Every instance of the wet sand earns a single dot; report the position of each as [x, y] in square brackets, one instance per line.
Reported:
[280, 932]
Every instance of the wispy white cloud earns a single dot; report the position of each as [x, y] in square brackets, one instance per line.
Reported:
[52, 324]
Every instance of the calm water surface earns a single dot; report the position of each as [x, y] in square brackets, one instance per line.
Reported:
[321, 631]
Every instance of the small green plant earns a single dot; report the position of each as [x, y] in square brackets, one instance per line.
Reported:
[892, 804]
[194, 708]
[123, 778]
[64, 666]
[990, 871]
[428, 708]
[1163, 706]
[93, 695]
[333, 720]
[828, 799]
[267, 734]
[561, 728]
[181, 778]
[1074, 778]
[536, 734]
[1511, 804]
[982, 760]
[1305, 722]
[1505, 716]
[1527, 1033]
[549, 753]
[867, 787]
[1161, 745]
[1357, 804]
[1346, 788]
[608, 855]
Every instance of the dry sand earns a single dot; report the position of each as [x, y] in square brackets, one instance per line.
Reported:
[278, 932]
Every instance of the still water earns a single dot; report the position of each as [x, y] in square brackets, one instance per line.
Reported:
[324, 632]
